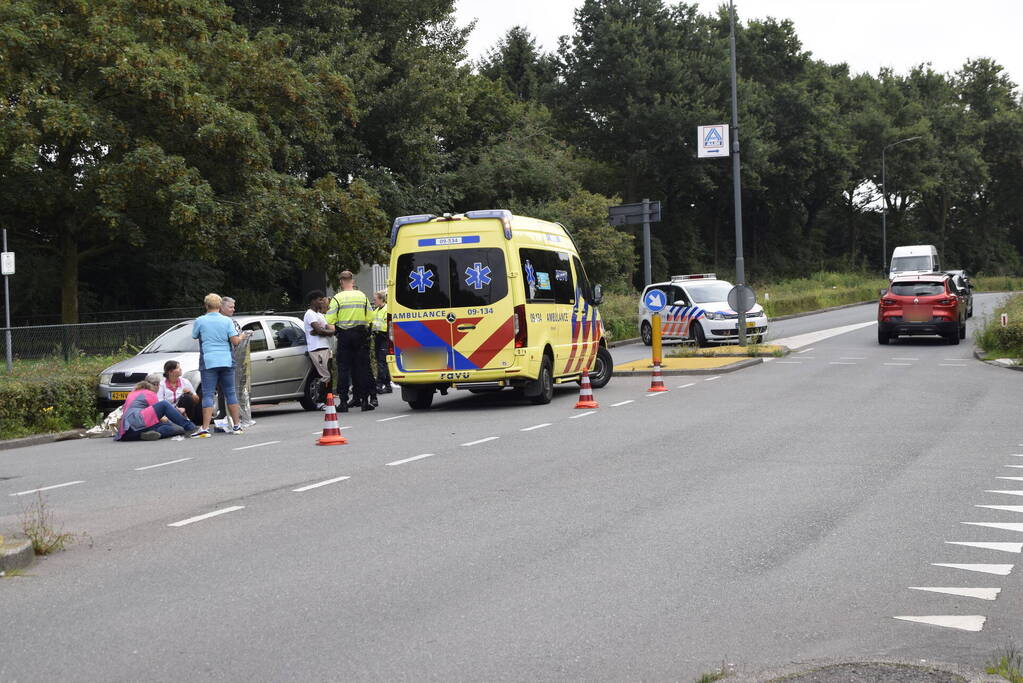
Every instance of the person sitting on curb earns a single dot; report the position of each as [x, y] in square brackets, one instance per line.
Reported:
[147, 418]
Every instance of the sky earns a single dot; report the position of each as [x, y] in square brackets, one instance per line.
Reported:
[866, 34]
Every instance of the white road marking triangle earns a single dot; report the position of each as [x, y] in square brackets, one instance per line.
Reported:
[1011, 493]
[999, 569]
[1007, 508]
[1007, 526]
[966, 622]
[1011, 478]
[1004, 547]
[982, 593]
[1018, 467]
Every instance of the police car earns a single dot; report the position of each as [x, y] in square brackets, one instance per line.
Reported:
[697, 309]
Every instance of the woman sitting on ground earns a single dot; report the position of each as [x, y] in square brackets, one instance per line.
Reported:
[147, 418]
[178, 391]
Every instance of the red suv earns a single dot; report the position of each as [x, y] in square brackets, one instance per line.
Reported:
[921, 304]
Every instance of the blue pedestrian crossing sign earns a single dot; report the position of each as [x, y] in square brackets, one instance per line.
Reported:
[655, 300]
[712, 141]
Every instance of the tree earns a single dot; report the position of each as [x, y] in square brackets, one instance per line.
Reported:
[518, 64]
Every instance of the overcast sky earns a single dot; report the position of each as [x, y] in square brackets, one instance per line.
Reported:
[866, 34]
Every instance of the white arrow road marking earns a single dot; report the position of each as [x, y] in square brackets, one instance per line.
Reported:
[1007, 508]
[191, 520]
[999, 569]
[319, 484]
[47, 488]
[801, 340]
[413, 458]
[479, 441]
[1007, 526]
[172, 462]
[966, 622]
[539, 426]
[982, 593]
[1004, 547]
[1011, 493]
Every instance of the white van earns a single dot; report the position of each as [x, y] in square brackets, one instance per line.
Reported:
[919, 258]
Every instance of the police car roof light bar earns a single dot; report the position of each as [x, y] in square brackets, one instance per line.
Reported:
[408, 220]
[695, 276]
[504, 215]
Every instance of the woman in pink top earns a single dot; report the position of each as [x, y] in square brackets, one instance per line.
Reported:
[147, 418]
[178, 391]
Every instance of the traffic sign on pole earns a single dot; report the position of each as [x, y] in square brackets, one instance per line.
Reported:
[712, 141]
[655, 300]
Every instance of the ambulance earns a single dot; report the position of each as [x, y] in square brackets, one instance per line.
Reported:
[485, 301]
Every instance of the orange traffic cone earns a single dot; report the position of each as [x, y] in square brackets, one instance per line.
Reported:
[331, 430]
[586, 393]
[656, 383]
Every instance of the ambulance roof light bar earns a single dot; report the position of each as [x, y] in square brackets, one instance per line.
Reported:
[504, 215]
[408, 220]
[696, 276]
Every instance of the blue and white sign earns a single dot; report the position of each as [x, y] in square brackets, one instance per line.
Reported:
[655, 300]
[712, 141]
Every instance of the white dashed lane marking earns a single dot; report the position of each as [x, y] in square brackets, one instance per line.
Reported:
[319, 484]
[966, 622]
[388, 419]
[622, 403]
[905, 359]
[412, 459]
[48, 488]
[841, 362]
[790, 362]
[806, 350]
[711, 379]
[255, 445]
[588, 412]
[1003, 547]
[479, 441]
[172, 462]
[981, 593]
[686, 386]
[898, 363]
[215, 513]
[998, 569]
[539, 426]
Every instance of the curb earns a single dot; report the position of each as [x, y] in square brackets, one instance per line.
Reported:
[731, 367]
[1004, 363]
[37, 439]
[824, 670]
[15, 553]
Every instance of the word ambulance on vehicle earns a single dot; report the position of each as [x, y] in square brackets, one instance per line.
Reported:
[698, 311]
[487, 300]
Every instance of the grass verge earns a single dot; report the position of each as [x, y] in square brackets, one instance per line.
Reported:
[1003, 342]
[1009, 666]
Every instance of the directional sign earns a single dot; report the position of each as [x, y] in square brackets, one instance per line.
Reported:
[7, 263]
[712, 141]
[632, 214]
[655, 300]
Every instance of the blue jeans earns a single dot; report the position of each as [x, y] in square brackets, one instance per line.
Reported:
[210, 378]
[164, 429]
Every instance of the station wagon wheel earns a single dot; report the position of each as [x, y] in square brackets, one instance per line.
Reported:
[646, 333]
[313, 393]
[546, 382]
[603, 368]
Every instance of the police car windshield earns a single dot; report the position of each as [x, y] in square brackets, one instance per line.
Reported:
[707, 292]
[175, 340]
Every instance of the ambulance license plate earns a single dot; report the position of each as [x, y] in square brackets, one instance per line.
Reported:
[424, 359]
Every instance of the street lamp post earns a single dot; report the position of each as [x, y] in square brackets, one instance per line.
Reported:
[884, 204]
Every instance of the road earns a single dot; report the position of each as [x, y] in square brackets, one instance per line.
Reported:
[777, 514]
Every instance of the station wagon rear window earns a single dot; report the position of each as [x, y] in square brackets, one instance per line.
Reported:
[917, 288]
[451, 278]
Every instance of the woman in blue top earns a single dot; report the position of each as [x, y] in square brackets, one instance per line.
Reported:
[216, 335]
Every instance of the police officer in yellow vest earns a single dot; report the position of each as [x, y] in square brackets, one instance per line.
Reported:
[380, 341]
[350, 314]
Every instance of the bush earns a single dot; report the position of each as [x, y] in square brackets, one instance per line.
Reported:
[1004, 342]
[619, 313]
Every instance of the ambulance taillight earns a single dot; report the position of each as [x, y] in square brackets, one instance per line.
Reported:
[521, 340]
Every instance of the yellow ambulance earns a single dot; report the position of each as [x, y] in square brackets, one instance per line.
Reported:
[487, 300]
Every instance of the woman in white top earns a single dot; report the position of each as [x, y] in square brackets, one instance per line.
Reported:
[179, 391]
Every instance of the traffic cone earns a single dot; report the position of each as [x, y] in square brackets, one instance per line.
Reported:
[586, 392]
[331, 431]
[656, 383]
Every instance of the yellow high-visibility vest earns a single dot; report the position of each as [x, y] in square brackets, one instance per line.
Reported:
[380, 319]
[349, 309]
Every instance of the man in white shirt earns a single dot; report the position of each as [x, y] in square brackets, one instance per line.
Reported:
[317, 334]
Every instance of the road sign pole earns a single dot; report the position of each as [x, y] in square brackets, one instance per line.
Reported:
[646, 242]
[655, 335]
[7, 315]
[740, 265]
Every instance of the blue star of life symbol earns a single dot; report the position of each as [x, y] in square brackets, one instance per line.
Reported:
[530, 273]
[478, 276]
[420, 279]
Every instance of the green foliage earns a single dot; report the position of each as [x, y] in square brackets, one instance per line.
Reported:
[1009, 666]
[39, 526]
[822, 290]
[1003, 342]
[619, 314]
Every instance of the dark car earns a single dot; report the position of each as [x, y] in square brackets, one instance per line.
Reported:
[925, 304]
[965, 287]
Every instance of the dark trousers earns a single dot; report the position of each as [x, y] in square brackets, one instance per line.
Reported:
[193, 407]
[380, 343]
[353, 363]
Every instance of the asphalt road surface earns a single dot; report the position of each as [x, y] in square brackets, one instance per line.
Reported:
[786, 512]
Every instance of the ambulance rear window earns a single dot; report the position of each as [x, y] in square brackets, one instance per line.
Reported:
[451, 278]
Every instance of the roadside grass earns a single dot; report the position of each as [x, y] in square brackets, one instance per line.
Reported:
[1002, 342]
[12, 573]
[43, 369]
[820, 290]
[39, 526]
[1009, 666]
[725, 671]
[997, 283]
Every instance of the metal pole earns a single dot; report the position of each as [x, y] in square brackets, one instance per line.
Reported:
[7, 315]
[646, 242]
[884, 219]
[740, 265]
